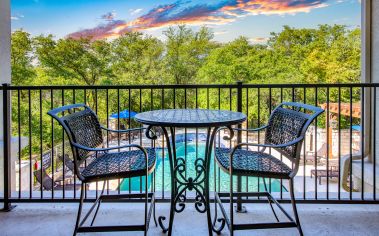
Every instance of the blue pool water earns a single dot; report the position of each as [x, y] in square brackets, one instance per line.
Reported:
[189, 151]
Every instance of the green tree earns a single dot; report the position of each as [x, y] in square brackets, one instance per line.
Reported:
[23, 70]
[186, 51]
[334, 56]
[227, 64]
[79, 61]
[137, 59]
[326, 54]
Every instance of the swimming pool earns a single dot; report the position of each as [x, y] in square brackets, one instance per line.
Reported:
[189, 151]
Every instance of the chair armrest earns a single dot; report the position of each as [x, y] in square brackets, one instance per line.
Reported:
[270, 145]
[251, 130]
[77, 145]
[231, 130]
[121, 131]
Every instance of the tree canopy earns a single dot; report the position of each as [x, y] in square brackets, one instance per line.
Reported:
[327, 54]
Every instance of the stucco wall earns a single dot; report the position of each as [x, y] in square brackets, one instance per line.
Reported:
[375, 63]
[375, 42]
[5, 58]
[5, 71]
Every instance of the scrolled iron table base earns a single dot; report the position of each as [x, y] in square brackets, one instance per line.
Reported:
[179, 182]
[199, 183]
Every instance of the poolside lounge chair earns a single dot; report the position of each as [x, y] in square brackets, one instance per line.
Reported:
[331, 173]
[45, 180]
[49, 184]
[321, 155]
[69, 164]
[86, 138]
[285, 133]
[345, 169]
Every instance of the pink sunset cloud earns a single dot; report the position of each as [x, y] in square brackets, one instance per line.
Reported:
[181, 12]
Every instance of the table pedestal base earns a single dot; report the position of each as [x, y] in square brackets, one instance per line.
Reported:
[199, 183]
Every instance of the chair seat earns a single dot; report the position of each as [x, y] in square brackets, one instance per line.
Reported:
[252, 163]
[119, 165]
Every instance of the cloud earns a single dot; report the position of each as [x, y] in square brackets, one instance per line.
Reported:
[220, 32]
[109, 16]
[258, 40]
[17, 17]
[135, 11]
[100, 32]
[184, 12]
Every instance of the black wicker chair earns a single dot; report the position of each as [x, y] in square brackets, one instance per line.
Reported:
[86, 138]
[285, 133]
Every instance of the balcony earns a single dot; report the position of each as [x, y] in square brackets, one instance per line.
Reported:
[336, 186]
[341, 141]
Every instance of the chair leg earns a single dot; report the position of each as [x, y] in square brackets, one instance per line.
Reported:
[153, 190]
[155, 215]
[215, 218]
[294, 207]
[146, 204]
[231, 206]
[269, 201]
[80, 209]
[98, 205]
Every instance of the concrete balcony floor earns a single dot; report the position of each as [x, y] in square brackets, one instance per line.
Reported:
[59, 219]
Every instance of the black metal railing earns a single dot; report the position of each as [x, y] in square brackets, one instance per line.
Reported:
[332, 169]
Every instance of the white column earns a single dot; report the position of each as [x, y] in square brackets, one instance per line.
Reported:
[374, 73]
[375, 42]
[375, 63]
[366, 73]
[5, 42]
[5, 67]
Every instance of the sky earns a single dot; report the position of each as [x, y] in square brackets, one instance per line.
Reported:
[228, 19]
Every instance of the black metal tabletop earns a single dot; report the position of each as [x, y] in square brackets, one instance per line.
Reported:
[195, 118]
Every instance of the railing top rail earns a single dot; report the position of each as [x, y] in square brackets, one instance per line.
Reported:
[188, 86]
[145, 86]
[344, 85]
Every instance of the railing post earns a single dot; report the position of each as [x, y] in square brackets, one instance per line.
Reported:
[239, 109]
[7, 147]
[239, 208]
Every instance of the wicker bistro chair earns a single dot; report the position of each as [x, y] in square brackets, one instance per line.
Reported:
[85, 135]
[285, 133]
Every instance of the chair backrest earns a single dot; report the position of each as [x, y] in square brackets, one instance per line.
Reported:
[46, 160]
[288, 122]
[44, 179]
[67, 161]
[322, 151]
[81, 126]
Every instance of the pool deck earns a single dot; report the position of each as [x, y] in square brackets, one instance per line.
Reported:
[59, 219]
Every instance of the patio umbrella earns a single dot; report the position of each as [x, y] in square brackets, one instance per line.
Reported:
[125, 114]
[356, 127]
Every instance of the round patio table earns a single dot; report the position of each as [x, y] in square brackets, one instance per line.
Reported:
[168, 120]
